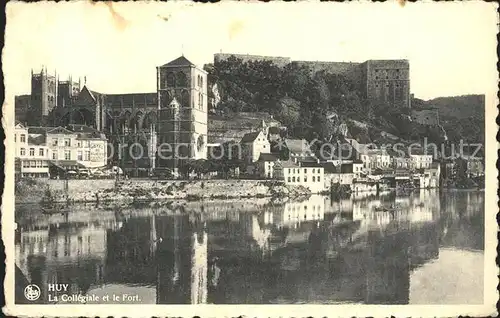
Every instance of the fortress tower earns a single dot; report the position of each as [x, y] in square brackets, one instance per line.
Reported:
[182, 113]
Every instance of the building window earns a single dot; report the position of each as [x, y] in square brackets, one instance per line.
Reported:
[181, 79]
[54, 142]
[314, 179]
[289, 179]
[305, 179]
[32, 152]
[23, 138]
[78, 143]
[87, 155]
[67, 142]
[23, 151]
[40, 152]
[80, 156]
[54, 156]
[184, 98]
[170, 80]
[15, 137]
[298, 179]
[293, 179]
[67, 155]
[319, 179]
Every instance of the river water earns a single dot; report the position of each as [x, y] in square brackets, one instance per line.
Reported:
[427, 251]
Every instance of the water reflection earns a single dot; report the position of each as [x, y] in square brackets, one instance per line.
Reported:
[316, 251]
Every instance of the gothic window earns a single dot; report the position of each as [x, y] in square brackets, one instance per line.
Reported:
[201, 81]
[185, 98]
[181, 79]
[165, 100]
[170, 80]
[200, 101]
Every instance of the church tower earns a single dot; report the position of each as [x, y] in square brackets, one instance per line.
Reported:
[182, 113]
[43, 97]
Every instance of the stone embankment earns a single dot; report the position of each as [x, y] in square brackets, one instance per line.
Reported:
[135, 190]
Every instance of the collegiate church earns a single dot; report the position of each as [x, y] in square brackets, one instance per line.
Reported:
[176, 114]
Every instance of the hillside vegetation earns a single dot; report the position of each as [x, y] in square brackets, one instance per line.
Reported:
[304, 101]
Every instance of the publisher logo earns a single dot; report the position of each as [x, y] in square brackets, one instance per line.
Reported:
[32, 292]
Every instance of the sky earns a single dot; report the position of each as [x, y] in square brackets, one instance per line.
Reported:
[451, 46]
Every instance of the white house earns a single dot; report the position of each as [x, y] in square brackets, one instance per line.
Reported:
[31, 153]
[253, 144]
[78, 146]
[307, 174]
[265, 165]
[419, 159]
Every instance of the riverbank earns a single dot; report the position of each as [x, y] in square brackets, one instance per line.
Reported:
[128, 192]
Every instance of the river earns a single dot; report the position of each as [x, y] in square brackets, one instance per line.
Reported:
[428, 251]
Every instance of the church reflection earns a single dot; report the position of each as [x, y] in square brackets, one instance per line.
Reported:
[314, 251]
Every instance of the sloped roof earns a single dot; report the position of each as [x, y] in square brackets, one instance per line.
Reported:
[268, 157]
[416, 151]
[311, 164]
[38, 130]
[395, 154]
[36, 140]
[81, 128]
[59, 130]
[330, 167]
[250, 137]
[297, 146]
[288, 164]
[180, 61]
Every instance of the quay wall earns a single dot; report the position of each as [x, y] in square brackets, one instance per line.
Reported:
[136, 190]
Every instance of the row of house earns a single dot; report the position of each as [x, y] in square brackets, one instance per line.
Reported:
[40, 149]
[359, 165]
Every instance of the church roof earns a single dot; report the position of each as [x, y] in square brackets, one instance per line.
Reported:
[250, 137]
[180, 61]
